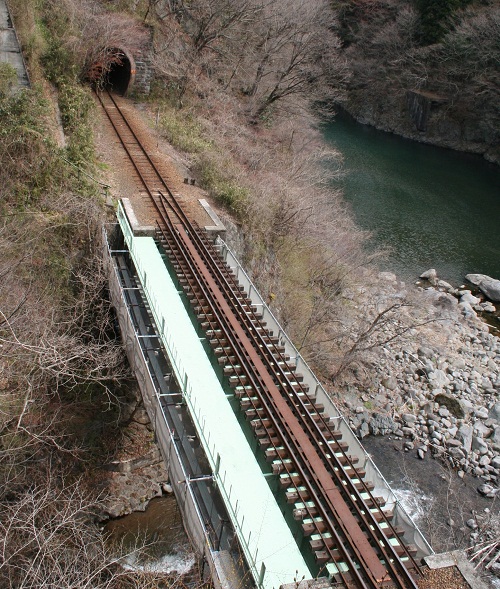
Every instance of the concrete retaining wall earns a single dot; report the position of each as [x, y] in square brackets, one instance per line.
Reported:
[10, 49]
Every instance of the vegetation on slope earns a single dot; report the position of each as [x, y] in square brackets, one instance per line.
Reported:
[236, 85]
[59, 358]
[448, 50]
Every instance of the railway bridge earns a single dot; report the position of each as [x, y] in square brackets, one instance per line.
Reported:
[275, 488]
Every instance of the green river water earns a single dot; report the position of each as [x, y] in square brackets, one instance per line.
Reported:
[432, 207]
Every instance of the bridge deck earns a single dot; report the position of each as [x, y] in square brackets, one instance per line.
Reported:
[263, 533]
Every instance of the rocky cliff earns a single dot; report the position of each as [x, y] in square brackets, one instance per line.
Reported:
[445, 93]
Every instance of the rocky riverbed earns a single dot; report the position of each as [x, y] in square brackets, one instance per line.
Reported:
[438, 390]
[433, 391]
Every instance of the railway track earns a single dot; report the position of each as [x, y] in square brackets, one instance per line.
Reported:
[348, 529]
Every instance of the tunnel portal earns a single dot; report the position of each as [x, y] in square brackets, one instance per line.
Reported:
[115, 70]
[119, 74]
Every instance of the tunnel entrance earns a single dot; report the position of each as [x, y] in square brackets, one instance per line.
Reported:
[114, 70]
[119, 75]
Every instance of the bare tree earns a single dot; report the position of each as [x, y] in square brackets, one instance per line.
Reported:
[49, 538]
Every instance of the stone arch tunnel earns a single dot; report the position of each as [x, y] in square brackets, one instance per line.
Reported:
[121, 71]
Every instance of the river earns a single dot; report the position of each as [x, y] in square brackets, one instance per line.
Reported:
[432, 207]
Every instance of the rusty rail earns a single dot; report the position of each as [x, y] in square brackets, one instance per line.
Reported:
[289, 425]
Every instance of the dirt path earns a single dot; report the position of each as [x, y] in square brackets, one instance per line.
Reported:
[122, 177]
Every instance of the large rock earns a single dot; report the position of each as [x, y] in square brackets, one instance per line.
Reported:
[439, 379]
[489, 286]
[430, 275]
[494, 412]
[381, 425]
[465, 436]
[453, 405]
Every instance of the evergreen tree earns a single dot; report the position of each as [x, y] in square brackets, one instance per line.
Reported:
[435, 18]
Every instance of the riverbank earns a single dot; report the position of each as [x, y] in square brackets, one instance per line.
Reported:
[432, 392]
[440, 89]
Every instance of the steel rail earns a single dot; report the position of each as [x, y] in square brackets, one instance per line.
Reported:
[226, 340]
[370, 524]
[251, 324]
[257, 381]
[281, 369]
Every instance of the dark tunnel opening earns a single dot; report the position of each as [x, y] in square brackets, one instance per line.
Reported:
[119, 75]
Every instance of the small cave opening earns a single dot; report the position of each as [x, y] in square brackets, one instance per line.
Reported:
[119, 74]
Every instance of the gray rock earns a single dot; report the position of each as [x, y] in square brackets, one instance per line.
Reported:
[489, 286]
[481, 430]
[445, 285]
[470, 299]
[471, 523]
[382, 425]
[456, 453]
[443, 411]
[467, 310]
[481, 412]
[494, 412]
[484, 460]
[479, 445]
[390, 383]
[464, 435]
[438, 378]
[487, 490]
[488, 307]
[409, 418]
[420, 453]
[430, 275]
[363, 430]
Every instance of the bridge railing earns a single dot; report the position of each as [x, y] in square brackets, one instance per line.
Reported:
[167, 337]
[382, 488]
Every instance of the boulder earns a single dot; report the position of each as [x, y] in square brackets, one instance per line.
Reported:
[487, 491]
[444, 284]
[453, 405]
[382, 425]
[467, 310]
[430, 275]
[469, 298]
[464, 434]
[494, 412]
[479, 445]
[489, 286]
[438, 378]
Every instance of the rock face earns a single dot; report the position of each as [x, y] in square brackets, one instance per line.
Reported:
[489, 286]
[449, 105]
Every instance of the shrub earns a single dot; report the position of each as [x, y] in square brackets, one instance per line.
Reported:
[183, 131]
[8, 76]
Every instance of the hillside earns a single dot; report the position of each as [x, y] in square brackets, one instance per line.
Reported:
[427, 71]
[236, 93]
